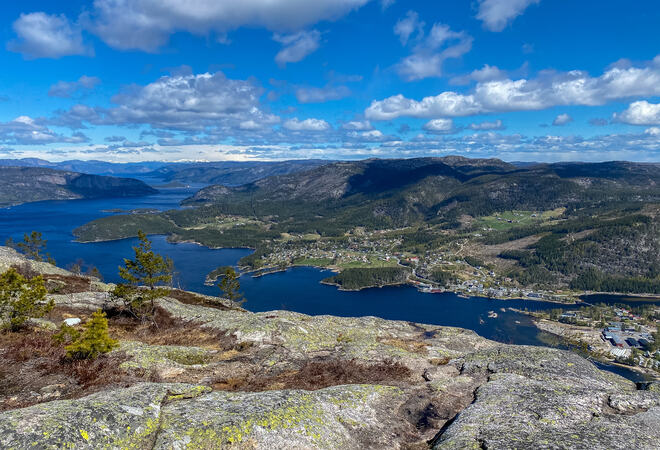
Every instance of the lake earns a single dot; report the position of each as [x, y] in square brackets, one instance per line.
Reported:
[296, 289]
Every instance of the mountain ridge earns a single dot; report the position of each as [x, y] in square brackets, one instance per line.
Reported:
[29, 184]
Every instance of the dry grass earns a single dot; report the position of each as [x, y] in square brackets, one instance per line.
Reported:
[189, 298]
[319, 374]
[30, 361]
[67, 284]
[56, 284]
[167, 330]
[409, 345]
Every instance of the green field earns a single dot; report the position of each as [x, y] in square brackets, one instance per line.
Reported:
[512, 219]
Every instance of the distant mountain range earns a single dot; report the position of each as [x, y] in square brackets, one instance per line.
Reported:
[427, 186]
[231, 173]
[91, 167]
[30, 184]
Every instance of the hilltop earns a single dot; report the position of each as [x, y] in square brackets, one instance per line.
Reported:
[232, 173]
[476, 225]
[31, 184]
[224, 377]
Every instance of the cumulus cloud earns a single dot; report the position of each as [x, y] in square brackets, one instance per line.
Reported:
[640, 113]
[296, 46]
[429, 54]
[147, 24]
[306, 125]
[321, 95]
[440, 126]
[368, 136]
[25, 130]
[517, 147]
[184, 102]
[494, 125]
[486, 73]
[562, 119]
[497, 14]
[408, 26]
[66, 89]
[358, 125]
[547, 90]
[40, 35]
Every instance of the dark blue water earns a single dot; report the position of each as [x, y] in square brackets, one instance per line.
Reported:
[297, 289]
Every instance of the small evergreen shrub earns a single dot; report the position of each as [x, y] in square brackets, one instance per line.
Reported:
[93, 341]
[21, 299]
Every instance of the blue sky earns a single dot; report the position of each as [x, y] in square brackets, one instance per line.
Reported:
[132, 80]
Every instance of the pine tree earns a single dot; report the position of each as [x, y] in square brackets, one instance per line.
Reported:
[21, 299]
[147, 278]
[230, 286]
[93, 341]
[33, 246]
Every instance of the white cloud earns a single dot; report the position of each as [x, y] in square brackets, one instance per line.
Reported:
[640, 113]
[147, 24]
[547, 90]
[250, 125]
[429, 55]
[321, 95]
[384, 4]
[494, 125]
[440, 126]
[306, 125]
[25, 130]
[182, 102]
[358, 125]
[486, 73]
[46, 36]
[296, 46]
[408, 26]
[562, 119]
[66, 89]
[653, 131]
[516, 147]
[497, 14]
[369, 136]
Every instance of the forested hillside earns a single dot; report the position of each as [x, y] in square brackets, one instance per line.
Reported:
[589, 226]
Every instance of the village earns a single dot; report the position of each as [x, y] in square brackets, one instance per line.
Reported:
[381, 249]
[613, 332]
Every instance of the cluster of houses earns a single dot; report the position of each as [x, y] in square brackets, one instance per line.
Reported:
[625, 338]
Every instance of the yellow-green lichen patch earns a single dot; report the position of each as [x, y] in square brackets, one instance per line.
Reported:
[153, 357]
[123, 418]
[318, 419]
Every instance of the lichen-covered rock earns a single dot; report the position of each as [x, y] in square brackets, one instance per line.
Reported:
[505, 396]
[544, 398]
[356, 416]
[123, 418]
[297, 336]
[90, 301]
[10, 257]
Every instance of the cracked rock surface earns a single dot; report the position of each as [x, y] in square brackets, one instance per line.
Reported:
[270, 382]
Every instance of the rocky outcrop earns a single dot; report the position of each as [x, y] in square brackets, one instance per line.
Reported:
[10, 257]
[542, 398]
[280, 379]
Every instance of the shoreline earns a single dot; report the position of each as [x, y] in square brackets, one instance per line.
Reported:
[571, 334]
[577, 298]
